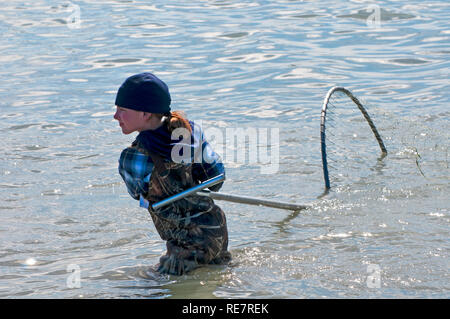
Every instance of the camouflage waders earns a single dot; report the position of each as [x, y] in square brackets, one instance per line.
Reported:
[194, 227]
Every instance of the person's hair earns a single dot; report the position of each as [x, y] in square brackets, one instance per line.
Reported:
[176, 119]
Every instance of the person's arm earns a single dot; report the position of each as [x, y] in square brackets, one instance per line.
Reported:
[211, 164]
[135, 169]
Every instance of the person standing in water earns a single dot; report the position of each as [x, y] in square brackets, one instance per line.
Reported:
[194, 228]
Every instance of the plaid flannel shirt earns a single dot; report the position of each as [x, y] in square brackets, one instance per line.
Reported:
[136, 167]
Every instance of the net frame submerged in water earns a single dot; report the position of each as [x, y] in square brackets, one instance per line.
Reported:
[323, 115]
[200, 189]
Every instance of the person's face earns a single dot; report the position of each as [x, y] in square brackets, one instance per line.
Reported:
[130, 120]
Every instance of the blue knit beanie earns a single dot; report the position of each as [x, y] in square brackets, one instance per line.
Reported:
[144, 92]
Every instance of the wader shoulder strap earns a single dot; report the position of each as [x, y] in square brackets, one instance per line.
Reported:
[158, 161]
[162, 168]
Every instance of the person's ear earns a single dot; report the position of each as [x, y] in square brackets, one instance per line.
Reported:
[147, 116]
